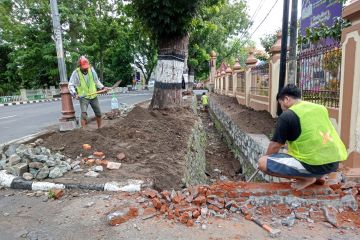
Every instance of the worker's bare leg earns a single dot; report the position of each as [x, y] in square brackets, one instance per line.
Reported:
[83, 123]
[98, 121]
[301, 182]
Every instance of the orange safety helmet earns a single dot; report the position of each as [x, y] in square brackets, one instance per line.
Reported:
[83, 62]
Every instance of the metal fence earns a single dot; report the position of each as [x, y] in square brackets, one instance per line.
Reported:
[241, 82]
[260, 80]
[231, 82]
[319, 73]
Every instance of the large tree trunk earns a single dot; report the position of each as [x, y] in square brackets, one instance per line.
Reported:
[172, 56]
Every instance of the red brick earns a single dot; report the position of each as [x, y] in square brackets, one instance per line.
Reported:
[133, 212]
[248, 217]
[150, 192]
[212, 207]
[149, 211]
[170, 215]
[90, 162]
[99, 154]
[177, 199]
[199, 200]
[196, 214]
[232, 194]
[245, 194]
[219, 193]
[202, 190]
[177, 212]
[165, 194]
[156, 202]
[58, 193]
[163, 208]
[123, 216]
[86, 146]
[190, 223]
[184, 217]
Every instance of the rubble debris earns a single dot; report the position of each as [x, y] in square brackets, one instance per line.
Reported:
[55, 193]
[121, 156]
[86, 147]
[121, 216]
[329, 219]
[113, 165]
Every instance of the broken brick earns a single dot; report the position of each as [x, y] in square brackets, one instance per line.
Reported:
[177, 199]
[86, 146]
[163, 208]
[212, 207]
[190, 223]
[90, 162]
[170, 215]
[150, 192]
[177, 212]
[99, 154]
[58, 193]
[149, 211]
[121, 156]
[196, 214]
[199, 200]
[122, 216]
[184, 217]
[156, 202]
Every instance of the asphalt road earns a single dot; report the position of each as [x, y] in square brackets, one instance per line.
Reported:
[21, 120]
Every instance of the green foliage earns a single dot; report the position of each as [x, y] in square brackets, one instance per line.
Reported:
[313, 35]
[217, 27]
[267, 41]
[101, 30]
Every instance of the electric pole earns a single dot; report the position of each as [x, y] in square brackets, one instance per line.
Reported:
[282, 73]
[67, 121]
[293, 43]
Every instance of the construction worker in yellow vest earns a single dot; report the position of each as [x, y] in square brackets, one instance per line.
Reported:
[314, 147]
[83, 85]
[204, 101]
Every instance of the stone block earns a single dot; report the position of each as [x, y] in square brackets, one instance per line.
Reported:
[20, 169]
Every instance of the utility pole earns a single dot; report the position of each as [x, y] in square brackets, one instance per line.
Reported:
[282, 73]
[293, 43]
[67, 121]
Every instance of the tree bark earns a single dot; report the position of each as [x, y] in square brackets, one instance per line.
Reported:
[172, 55]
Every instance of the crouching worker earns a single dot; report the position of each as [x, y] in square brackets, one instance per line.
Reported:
[83, 85]
[314, 147]
[204, 101]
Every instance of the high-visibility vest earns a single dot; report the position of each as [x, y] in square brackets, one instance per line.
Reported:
[86, 88]
[318, 143]
[205, 100]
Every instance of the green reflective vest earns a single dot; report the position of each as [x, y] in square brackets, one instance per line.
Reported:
[318, 143]
[205, 100]
[86, 88]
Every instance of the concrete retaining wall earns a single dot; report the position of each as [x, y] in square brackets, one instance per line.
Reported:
[247, 147]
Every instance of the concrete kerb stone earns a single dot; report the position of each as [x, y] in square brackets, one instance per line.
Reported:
[250, 147]
[10, 181]
[28, 102]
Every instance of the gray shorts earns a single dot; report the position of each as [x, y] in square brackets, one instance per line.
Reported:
[94, 103]
[286, 165]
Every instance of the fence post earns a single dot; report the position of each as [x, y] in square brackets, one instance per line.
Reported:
[212, 71]
[23, 94]
[274, 74]
[222, 81]
[250, 62]
[237, 69]
[349, 107]
[228, 72]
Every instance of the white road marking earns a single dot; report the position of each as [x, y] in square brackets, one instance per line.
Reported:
[7, 117]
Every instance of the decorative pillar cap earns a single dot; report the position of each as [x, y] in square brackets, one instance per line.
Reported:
[237, 65]
[276, 48]
[213, 54]
[251, 60]
[228, 70]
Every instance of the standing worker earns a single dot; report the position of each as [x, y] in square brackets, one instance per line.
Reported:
[205, 101]
[83, 85]
[314, 147]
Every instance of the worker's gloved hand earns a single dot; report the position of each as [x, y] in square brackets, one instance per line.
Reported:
[106, 89]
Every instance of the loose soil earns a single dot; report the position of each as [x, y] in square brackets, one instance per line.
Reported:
[154, 143]
[220, 161]
[248, 120]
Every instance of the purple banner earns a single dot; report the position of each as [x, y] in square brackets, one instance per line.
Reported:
[314, 12]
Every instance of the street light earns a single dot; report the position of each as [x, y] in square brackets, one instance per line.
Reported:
[67, 121]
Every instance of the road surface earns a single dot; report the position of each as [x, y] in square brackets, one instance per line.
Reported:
[21, 120]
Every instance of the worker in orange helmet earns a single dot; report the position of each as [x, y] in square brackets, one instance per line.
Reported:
[83, 85]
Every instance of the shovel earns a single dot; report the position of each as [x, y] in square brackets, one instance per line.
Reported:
[104, 90]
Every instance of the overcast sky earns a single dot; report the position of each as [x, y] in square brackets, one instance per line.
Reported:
[272, 22]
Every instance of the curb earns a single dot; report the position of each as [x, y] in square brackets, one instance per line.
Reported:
[10, 181]
[46, 100]
[29, 102]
